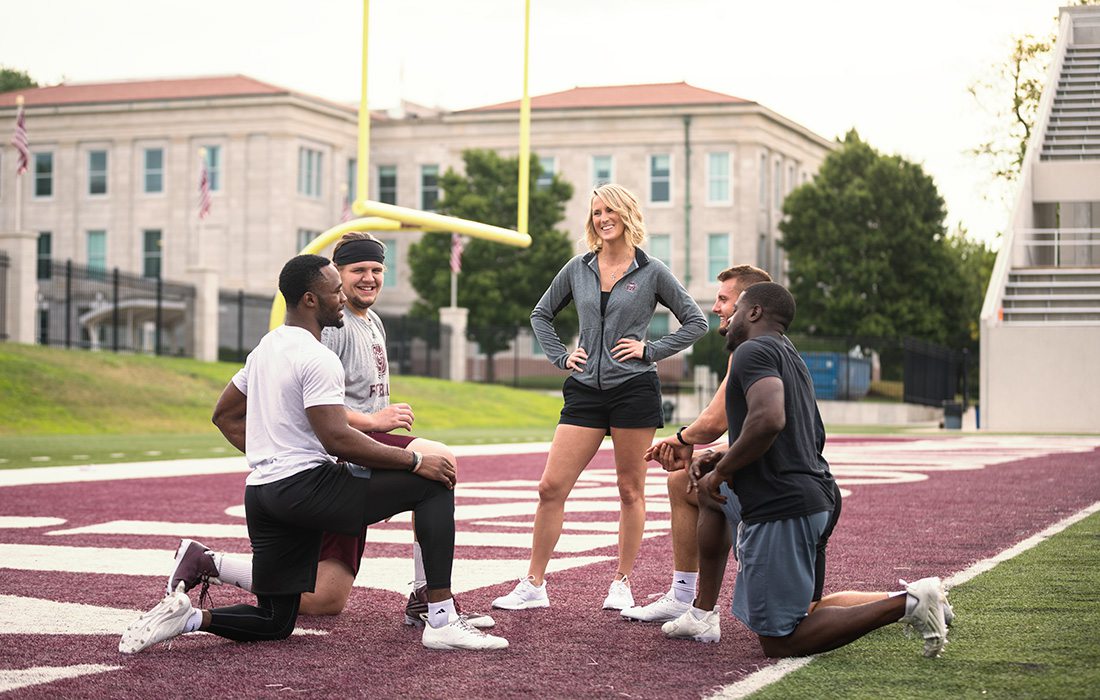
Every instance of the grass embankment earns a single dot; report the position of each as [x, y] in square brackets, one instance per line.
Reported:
[1025, 629]
[62, 407]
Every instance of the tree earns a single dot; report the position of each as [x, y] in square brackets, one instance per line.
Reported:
[499, 284]
[14, 79]
[868, 252]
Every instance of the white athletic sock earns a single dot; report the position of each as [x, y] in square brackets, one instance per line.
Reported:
[683, 585]
[699, 614]
[419, 577]
[233, 571]
[194, 620]
[440, 614]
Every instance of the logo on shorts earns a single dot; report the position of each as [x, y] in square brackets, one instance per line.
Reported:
[631, 287]
[380, 359]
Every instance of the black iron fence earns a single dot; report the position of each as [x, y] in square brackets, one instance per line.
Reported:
[242, 320]
[91, 308]
[5, 263]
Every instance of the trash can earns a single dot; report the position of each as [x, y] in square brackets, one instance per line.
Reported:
[952, 415]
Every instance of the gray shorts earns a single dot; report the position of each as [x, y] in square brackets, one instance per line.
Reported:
[776, 576]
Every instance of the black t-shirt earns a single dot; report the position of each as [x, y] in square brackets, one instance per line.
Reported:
[792, 478]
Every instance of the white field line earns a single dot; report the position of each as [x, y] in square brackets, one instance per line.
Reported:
[766, 676]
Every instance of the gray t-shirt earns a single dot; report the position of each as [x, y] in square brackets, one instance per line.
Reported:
[361, 347]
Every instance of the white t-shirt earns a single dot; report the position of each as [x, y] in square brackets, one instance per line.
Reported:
[288, 372]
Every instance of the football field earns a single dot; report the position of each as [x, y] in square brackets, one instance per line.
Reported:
[84, 550]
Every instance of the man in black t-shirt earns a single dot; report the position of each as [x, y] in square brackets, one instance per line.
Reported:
[789, 502]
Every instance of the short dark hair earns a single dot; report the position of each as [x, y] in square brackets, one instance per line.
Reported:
[774, 299]
[748, 274]
[299, 275]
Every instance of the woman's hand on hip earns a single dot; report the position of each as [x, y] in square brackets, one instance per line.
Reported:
[628, 349]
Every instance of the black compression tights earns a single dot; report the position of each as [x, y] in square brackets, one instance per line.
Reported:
[272, 618]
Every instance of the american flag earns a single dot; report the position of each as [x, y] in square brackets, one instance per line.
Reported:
[345, 213]
[204, 186]
[456, 253]
[19, 139]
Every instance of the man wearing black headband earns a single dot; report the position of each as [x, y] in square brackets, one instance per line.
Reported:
[360, 343]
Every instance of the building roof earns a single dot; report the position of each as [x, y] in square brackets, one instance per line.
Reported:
[648, 95]
[144, 90]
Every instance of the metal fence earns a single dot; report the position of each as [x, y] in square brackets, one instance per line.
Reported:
[96, 309]
[5, 263]
[242, 320]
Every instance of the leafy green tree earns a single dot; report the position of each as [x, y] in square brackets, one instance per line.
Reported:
[499, 284]
[14, 79]
[868, 252]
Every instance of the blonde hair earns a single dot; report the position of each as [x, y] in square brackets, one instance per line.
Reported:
[620, 200]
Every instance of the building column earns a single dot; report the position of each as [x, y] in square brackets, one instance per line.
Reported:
[454, 358]
[205, 326]
[20, 298]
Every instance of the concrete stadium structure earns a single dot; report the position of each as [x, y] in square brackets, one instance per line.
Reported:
[1040, 323]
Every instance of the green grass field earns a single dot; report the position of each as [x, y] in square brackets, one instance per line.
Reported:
[1025, 629]
[60, 407]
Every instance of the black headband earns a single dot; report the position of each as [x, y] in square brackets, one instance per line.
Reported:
[360, 250]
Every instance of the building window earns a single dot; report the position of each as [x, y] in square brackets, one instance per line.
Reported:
[151, 253]
[43, 174]
[660, 247]
[214, 167]
[658, 326]
[97, 250]
[718, 254]
[429, 187]
[549, 166]
[154, 170]
[309, 172]
[602, 170]
[718, 178]
[45, 255]
[763, 180]
[387, 184]
[389, 277]
[353, 180]
[305, 237]
[97, 172]
[660, 186]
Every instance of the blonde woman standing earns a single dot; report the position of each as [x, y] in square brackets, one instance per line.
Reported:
[613, 387]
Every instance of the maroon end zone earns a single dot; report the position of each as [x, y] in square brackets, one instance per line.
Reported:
[905, 527]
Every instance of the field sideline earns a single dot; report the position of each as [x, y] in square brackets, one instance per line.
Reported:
[84, 549]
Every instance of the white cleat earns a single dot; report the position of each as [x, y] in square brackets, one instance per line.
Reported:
[166, 620]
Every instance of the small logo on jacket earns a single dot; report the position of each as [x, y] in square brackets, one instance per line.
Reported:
[631, 287]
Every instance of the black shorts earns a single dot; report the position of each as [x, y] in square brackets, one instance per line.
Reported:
[636, 403]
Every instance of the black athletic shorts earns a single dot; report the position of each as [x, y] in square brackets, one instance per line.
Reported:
[636, 403]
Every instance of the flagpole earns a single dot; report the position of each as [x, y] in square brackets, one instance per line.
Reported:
[197, 248]
[19, 176]
[454, 288]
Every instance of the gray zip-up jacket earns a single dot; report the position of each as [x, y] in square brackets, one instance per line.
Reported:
[629, 310]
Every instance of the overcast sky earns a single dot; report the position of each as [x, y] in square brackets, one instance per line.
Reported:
[898, 72]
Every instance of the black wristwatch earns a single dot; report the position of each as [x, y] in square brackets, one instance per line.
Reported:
[680, 437]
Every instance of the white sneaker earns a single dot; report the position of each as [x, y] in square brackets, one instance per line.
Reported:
[459, 634]
[663, 609]
[688, 626]
[166, 620]
[927, 616]
[524, 596]
[619, 596]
